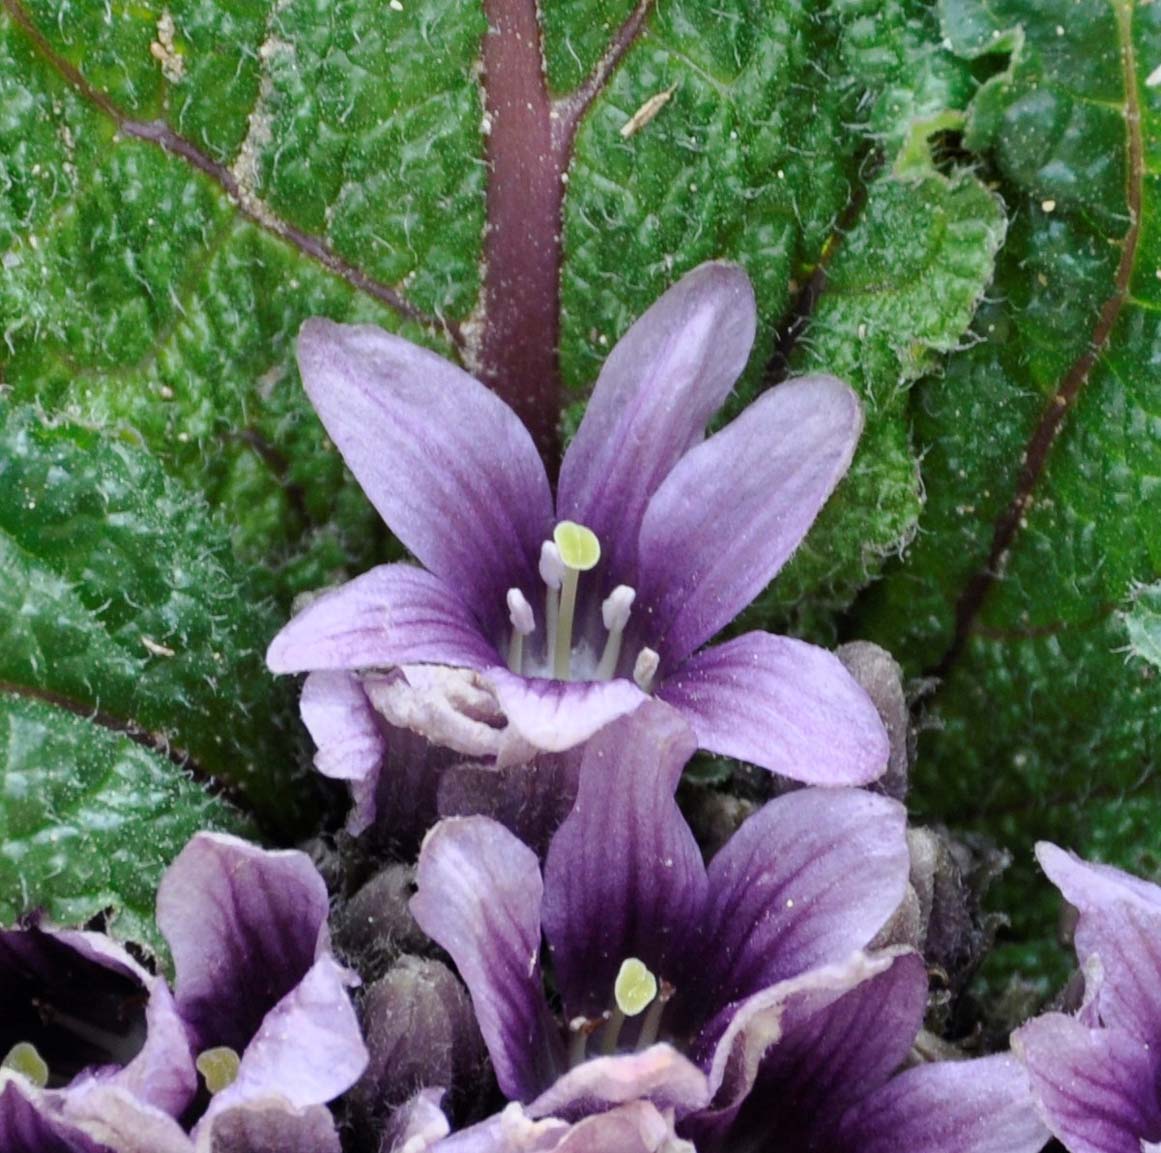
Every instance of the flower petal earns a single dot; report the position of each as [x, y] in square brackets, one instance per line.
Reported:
[558, 715]
[781, 703]
[273, 1127]
[808, 879]
[479, 897]
[416, 1125]
[982, 1106]
[733, 509]
[636, 1127]
[659, 1074]
[656, 392]
[1097, 1088]
[509, 1131]
[244, 926]
[395, 614]
[120, 1121]
[1119, 923]
[26, 1127]
[624, 876]
[307, 1051]
[448, 464]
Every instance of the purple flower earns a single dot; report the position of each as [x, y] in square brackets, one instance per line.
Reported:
[672, 976]
[1097, 1075]
[260, 1008]
[568, 614]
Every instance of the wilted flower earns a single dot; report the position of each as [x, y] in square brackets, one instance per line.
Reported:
[560, 616]
[1097, 1075]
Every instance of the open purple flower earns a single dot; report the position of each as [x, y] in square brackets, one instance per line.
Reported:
[1097, 1076]
[572, 613]
[672, 975]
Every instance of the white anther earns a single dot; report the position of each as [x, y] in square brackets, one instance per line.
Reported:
[551, 566]
[520, 612]
[616, 606]
[645, 669]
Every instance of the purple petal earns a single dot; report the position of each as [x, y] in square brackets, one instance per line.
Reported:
[121, 1121]
[636, 1127]
[1119, 923]
[510, 1131]
[269, 1127]
[307, 1051]
[733, 509]
[395, 614]
[245, 926]
[50, 980]
[624, 876]
[558, 715]
[656, 392]
[1097, 1088]
[783, 704]
[982, 1106]
[807, 880]
[659, 1074]
[808, 1046]
[417, 1125]
[448, 464]
[25, 1127]
[479, 897]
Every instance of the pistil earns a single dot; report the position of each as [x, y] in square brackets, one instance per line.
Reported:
[579, 551]
[218, 1067]
[633, 991]
[24, 1059]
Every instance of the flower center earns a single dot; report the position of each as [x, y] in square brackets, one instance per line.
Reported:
[635, 991]
[574, 549]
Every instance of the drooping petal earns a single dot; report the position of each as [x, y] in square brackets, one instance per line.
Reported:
[509, 1131]
[659, 1074]
[274, 1127]
[558, 715]
[120, 1121]
[448, 464]
[244, 926]
[307, 1051]
[807, 880]
[395, 614]
[781, 703]
[624, 876]
[88, 1006]
[1119, 923]
[786, 1061]
[479, 897]
[981, 1106]
[25, 1127]
[656, 392]
[1097, 1088]
[733, 509]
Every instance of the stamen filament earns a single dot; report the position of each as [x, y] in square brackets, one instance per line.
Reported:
[612, 1033]
[552, 573]
[615, 614]
[651, 1026]
[645, 669]
[516, 652]
[523, 624]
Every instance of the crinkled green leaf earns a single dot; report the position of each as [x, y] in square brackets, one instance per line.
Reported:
[1044, 725]
[119, 595]
[89, 819]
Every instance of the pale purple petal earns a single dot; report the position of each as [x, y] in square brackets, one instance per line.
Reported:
[733, 509]
[416, 1125]
[52, 978]
[981, 1106]
[273, 1127]
[656, 392]
[624, 876]
[1119, 923]
[783, 704]
[807, 880]
[308, 1049]
[636, 1127]
[26, 1127]
[659, 1074]
[1097, 1088]
[479, 897]
[448, 464]
[510, 1131]
[395, 614]
[120, 1121]
[558, 715]
[244, 926]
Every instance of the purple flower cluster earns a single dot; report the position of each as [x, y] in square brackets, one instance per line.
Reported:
[520, 710]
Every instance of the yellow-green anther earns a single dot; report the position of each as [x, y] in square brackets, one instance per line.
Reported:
[23, 1058]
[578, 546]
[634, 988]
[218, 1067]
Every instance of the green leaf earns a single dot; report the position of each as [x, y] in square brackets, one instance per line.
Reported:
[89, 819]
[1042, 460]
[119, 595]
